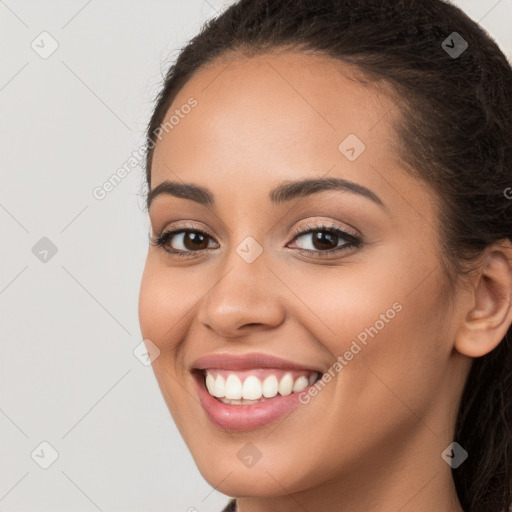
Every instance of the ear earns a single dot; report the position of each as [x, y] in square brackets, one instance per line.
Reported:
[489, 315]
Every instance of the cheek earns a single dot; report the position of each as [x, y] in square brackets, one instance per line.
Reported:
[392, 302]
[349, 304]
[151, 305]
[163, 304]
[388, 323]
[166, 299]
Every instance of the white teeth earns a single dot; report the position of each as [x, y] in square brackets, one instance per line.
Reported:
[251, 389]
[270, 386]
[286, 384]
[233, 387]
[242, 402]
[220, 386]
[210, 384]
[300, 384]
[231, 390]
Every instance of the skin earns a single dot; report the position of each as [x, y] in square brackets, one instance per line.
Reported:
[372, 439]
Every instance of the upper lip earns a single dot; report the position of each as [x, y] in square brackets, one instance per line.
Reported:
[229, 361]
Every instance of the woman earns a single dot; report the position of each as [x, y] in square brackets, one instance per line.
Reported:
[329, 276]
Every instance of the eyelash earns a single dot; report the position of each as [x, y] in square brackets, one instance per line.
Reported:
[353, 241]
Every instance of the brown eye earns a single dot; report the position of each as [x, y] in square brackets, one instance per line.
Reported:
[193, 240]
[181, 241]
[187, 240]
[326, 240]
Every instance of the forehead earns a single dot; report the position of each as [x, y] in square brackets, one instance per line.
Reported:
[273, 112]
[258, 122]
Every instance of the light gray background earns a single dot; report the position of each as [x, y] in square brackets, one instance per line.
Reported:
[68, 375]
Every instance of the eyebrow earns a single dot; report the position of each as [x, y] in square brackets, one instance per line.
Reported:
[284, 192]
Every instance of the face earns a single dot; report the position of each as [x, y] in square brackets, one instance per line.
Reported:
[345, 281]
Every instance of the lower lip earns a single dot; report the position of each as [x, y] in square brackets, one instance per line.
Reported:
[244, 417]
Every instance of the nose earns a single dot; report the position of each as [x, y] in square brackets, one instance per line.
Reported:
[245, 297]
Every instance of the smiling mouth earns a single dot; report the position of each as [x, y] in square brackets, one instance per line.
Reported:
[253, 386]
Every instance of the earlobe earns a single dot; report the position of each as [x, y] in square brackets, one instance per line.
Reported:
[487, 320]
